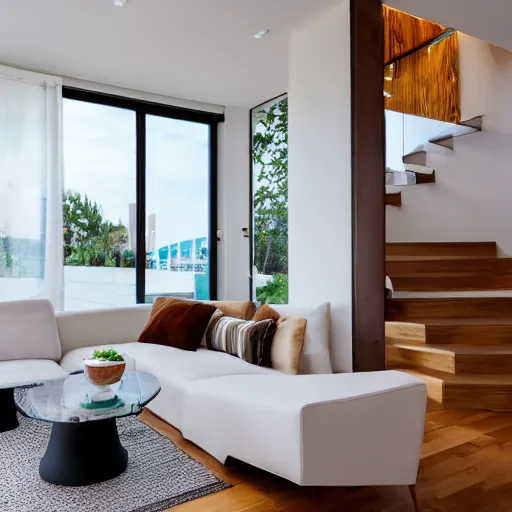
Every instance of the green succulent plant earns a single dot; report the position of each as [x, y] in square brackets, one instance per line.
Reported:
[107, 355]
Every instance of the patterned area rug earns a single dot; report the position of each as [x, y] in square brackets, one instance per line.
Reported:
[159, 475]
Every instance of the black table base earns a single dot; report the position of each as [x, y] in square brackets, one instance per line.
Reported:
[83, 453]
[8, 418]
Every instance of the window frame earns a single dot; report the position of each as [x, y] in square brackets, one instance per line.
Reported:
[142, 109]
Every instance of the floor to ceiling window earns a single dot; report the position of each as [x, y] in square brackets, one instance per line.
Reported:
[30, 210]
[99, 195]
[138, 201]
[269, 254]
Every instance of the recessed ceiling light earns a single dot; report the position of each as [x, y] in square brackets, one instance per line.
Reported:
[261, 33]
[120, 3]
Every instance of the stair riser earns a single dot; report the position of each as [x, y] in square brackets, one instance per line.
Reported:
[420, 310]
[489, 396]
[463, 250]
[483, 364]
[467, 335]
[452, 283]
[502, 267]
[492, 398]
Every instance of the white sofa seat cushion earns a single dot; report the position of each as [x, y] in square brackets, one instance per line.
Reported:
[28, 330]
[316, 354]
[28, 371]
[343, 429]
[174, 368]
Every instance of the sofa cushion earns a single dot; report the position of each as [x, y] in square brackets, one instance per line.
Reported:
[288, 339]
[101, 326]
[174, 368]
[248, 340]
[29, 371]
[316, 356]
[177, 323]
[28, 330]
[238, 309]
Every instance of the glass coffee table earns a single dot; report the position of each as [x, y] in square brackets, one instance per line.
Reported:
[84, 446]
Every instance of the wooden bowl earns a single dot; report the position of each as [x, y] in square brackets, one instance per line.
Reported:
[104, 373]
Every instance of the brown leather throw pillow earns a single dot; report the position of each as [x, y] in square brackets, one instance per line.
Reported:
[177, 323]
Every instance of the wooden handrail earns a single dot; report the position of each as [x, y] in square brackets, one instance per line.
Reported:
[429, 42]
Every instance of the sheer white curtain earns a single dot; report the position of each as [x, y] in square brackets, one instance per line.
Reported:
[31, 246]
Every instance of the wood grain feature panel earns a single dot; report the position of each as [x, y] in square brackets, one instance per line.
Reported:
[404, 32]
[443, 249]
[427, 82]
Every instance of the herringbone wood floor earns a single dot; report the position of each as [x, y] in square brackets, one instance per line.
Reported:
[466, 467]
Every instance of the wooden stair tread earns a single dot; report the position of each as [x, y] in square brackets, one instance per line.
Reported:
[447, 331]
[458, 349]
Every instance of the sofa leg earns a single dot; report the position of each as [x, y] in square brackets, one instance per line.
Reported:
[414, 496]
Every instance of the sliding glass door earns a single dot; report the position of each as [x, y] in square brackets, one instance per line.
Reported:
[177, 208]
[138, 203]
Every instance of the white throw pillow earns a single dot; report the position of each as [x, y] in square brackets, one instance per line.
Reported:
[316, 354]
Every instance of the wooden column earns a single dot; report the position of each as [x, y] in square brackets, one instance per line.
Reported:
[368, 162]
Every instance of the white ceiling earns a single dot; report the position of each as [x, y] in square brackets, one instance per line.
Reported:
[202, 50]
[485, 19]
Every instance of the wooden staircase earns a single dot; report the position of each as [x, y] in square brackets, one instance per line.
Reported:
[460, 346]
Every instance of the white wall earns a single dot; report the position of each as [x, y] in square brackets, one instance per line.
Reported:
[476, 64]
[320, 217]
[471, 199]
[233, 197]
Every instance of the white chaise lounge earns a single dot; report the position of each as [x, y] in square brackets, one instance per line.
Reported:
[342, 429]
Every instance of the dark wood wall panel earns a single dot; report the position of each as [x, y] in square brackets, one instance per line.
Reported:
[404, 32]
[427, 82]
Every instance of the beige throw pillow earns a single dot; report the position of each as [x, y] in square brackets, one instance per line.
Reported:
[288, 340]
[287, 345]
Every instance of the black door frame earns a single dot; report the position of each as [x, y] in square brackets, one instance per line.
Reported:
[141, 109]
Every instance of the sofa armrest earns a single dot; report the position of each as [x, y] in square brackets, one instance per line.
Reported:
[101, 327]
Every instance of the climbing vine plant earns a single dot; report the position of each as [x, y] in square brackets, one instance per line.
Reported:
[270, 201]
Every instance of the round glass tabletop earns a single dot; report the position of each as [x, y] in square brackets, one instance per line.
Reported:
[68, 400]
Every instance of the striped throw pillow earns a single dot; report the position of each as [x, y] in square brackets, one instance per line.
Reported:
[248, 340]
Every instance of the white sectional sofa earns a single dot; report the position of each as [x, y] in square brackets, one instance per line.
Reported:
[338, 429]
